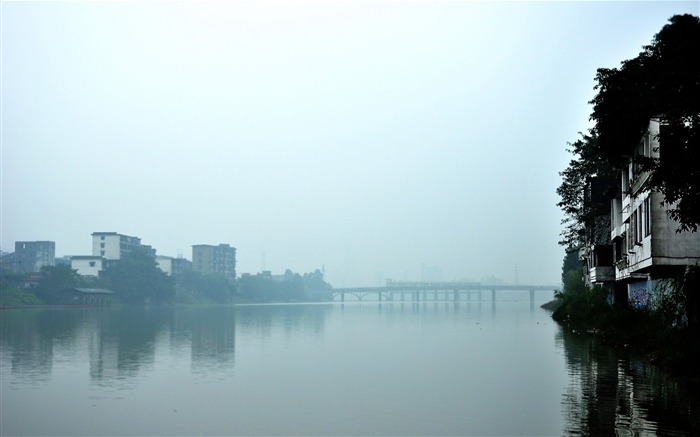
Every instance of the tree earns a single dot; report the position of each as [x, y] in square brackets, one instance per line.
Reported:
[137, 279]
[55, 278]
[215, 287]
[588, 184]
[662, 82]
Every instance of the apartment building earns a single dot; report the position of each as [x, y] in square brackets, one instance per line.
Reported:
[219, 259]
[644, 245]
[31, 256]
[111, 245]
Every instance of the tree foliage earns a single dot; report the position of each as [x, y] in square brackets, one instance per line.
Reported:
[579, 209]
[137, 279]
[56, 278]
[214, 287]
[291, 286]
[662, 82]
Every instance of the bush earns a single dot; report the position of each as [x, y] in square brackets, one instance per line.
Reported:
[17, 297]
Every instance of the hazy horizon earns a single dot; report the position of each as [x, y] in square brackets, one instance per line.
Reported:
[378, 139]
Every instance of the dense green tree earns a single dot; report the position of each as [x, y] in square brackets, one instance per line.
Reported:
[55, 278]
[662, 82]
[290, 287]
[214, 287]
[587, 171]
[137, 279]
[316, 286]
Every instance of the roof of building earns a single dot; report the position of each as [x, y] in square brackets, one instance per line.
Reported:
[90, 290]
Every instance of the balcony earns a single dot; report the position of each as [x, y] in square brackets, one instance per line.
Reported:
[602, 274]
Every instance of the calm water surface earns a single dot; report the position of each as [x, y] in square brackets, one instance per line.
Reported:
[326, 369]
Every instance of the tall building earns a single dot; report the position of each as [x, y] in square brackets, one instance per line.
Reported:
[31, 256]
[220, 259]
[111, 245]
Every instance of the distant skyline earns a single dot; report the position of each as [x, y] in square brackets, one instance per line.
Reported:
[377, 139]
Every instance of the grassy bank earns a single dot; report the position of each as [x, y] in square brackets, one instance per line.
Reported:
[18, 297]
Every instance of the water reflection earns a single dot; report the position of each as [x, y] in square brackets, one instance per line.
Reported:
[611, 392]
[120, 343]
[491, 361]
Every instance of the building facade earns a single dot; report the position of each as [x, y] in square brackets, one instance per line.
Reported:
[165, 264]
[180, 265]
[644, 245]
[87, 265]
[208, 259]
[111, 245]
[31, 256]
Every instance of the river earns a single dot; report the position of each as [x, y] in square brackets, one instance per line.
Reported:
[359, 368]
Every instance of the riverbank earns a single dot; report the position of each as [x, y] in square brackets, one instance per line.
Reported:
[645, 333]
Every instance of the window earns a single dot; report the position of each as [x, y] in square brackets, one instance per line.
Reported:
[632, 232]
[645, 145]
[647, 216]
[639, 224]
[102, 238]
[102, 245]
[102, 252]
[92, 263]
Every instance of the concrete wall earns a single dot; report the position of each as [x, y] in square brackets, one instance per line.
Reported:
[87, 265]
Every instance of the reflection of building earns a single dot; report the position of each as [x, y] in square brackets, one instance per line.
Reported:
[644, 246]
[219, 259]
[111, 245]
[31, 256]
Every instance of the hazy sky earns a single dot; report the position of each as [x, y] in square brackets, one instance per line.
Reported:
[372, 138]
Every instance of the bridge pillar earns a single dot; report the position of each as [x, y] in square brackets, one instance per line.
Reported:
[456, 295]
[342, 297]
[532, 298]
[493, 295]
[380, 296]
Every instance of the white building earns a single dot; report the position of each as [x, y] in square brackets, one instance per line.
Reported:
[87, 265]
[646, 247]
[111, 245]
[165, 263]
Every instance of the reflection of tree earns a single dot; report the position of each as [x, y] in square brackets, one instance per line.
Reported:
[289, 319]
[589, 404]
[30, 336]
[213, 335]
[611, 393]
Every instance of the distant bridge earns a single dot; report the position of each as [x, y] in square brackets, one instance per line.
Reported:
[436, 291]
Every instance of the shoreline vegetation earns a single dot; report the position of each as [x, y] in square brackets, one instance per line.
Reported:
[660, 332]
[135, 279]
